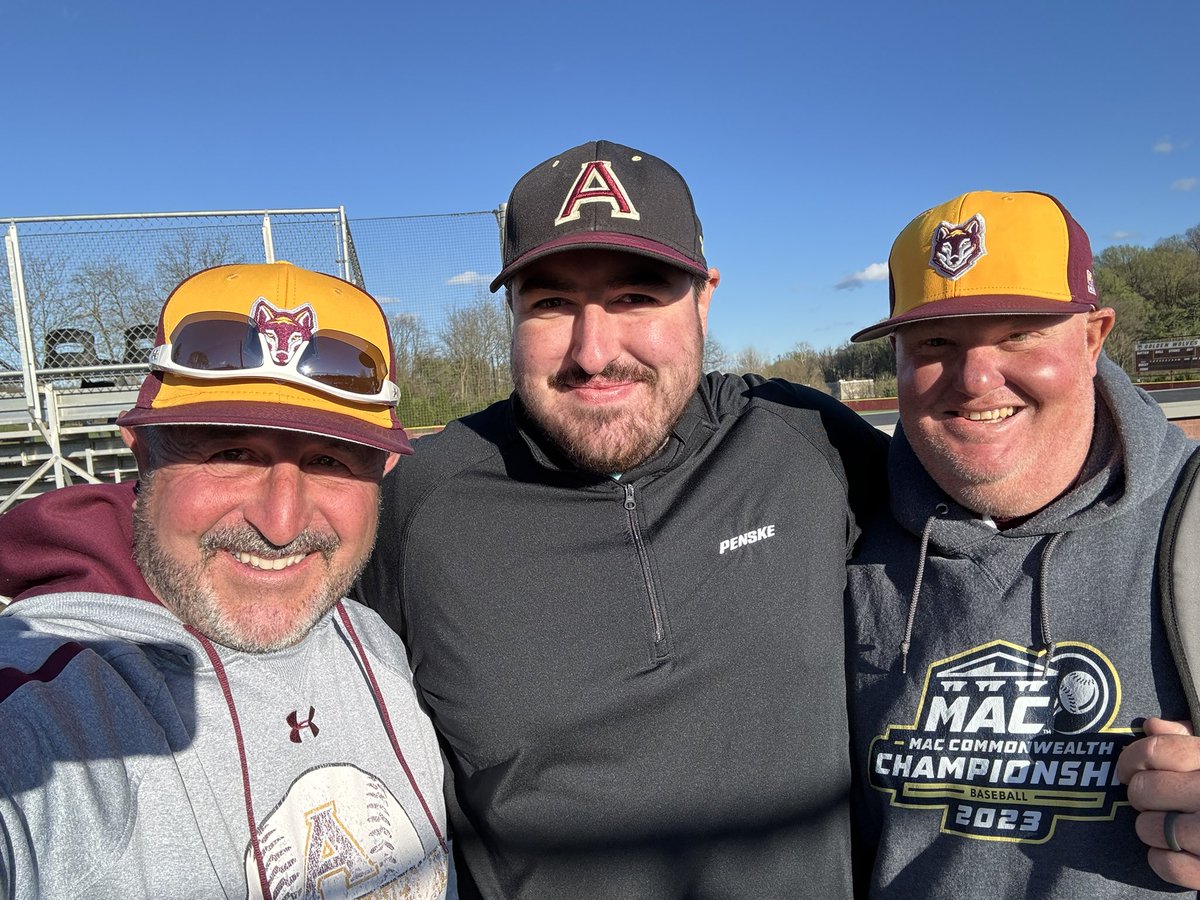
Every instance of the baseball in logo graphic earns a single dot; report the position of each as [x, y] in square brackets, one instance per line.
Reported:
[1084, 693]
[1078, 692]
[340, 832]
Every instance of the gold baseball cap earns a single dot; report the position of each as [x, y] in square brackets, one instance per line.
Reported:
[271, 345]
[988, 254]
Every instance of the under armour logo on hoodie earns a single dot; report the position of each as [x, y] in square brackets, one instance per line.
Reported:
[294, 720]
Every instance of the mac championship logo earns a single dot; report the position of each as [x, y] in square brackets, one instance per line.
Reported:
[1005, 745]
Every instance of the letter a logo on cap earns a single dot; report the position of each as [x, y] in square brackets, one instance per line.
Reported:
[597, 183]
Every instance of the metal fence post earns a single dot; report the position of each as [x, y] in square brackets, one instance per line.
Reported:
[16, 277]
[344, 244]
[268, 243]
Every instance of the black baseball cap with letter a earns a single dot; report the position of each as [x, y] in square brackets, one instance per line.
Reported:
[602, 195]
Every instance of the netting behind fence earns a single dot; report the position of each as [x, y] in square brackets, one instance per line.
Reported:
[451, 336]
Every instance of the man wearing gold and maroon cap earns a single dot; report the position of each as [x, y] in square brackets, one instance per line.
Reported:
[189, 707]
[1007, 639]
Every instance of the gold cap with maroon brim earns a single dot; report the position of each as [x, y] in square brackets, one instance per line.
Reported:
[272, 345]
[988, 254]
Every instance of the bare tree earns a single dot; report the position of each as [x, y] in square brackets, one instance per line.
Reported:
[187, 256]
[50, 304]
[749, 359]
[802, 365]
[410, 342]
[1191, 238]
[110, 297]
[476, 339]
[715, 357]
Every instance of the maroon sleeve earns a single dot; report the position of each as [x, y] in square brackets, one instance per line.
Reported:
[77, 538]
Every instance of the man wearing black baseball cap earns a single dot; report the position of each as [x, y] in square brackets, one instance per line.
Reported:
[621, 589]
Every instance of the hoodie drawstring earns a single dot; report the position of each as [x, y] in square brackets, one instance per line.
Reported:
[264, 883]
[360, 654]
[940, 510]
[1044, 598]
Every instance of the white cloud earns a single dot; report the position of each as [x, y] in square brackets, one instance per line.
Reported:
[1122, 235]
[873, 272]
[1185, 184]
[1164, 146]
[470, 277]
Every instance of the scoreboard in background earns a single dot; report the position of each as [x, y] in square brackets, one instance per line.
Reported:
[1175, 355]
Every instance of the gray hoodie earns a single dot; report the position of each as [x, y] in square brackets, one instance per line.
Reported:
[135, 756]
[986, 754]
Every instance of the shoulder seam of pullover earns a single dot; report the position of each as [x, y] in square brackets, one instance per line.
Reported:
[420, 502]
[826, 452]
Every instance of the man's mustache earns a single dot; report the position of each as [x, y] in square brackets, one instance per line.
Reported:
[614, 372]
[246, 539]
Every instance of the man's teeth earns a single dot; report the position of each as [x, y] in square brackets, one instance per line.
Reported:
[989, 415]
[259, 563]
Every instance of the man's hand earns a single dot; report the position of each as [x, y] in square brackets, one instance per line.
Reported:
[1162, 771]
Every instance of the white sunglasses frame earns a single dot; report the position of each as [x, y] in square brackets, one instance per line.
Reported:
[288, 373]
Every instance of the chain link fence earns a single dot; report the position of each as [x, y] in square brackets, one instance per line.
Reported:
[86, 291]
[80, 297]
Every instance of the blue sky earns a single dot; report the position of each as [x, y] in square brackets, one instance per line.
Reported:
[810, 134]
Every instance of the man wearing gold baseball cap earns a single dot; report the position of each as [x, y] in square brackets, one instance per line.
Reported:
[1006, 631]
[189, 707]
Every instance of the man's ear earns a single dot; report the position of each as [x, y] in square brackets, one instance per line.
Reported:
[390, 462]
[137, 445]
[1100, 323]
[704, 298]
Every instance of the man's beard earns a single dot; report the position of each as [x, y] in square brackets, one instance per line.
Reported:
[611, 440]
[184, 589]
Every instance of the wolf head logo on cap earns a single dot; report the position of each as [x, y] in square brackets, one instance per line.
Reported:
[285, 330]
[956, 248]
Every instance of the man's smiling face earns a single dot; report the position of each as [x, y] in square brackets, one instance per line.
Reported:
[1000, 409]
[606, 352]
[251, 534]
